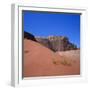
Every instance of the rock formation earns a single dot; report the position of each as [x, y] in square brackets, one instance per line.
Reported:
[29, 36]
[55, 43]
[44, 41]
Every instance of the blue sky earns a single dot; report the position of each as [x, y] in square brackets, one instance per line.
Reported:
[57, 24]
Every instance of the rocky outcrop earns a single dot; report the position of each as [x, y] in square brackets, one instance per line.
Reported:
[44, 41]
[29, 36]
[56, 43]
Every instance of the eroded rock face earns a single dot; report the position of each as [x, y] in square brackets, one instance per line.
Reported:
[56, 43]
[45, 42]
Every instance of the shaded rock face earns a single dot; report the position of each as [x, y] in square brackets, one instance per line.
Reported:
[57, 43]
[29, 36]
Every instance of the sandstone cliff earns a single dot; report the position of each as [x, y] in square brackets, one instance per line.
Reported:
[55, 43]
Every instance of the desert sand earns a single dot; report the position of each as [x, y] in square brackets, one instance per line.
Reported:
[41, 61]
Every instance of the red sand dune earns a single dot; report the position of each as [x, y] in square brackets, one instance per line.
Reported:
[41, 61]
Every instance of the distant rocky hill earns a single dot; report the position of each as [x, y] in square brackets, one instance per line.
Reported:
[55, 43]
[29, 36]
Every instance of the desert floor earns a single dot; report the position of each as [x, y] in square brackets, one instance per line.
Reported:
[41, 61]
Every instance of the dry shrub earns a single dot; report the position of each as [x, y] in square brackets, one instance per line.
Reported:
[66, 62]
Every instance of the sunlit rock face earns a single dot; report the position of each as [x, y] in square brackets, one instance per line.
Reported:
[56, 43]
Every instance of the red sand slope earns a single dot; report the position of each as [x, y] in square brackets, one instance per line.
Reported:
[41, 61]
